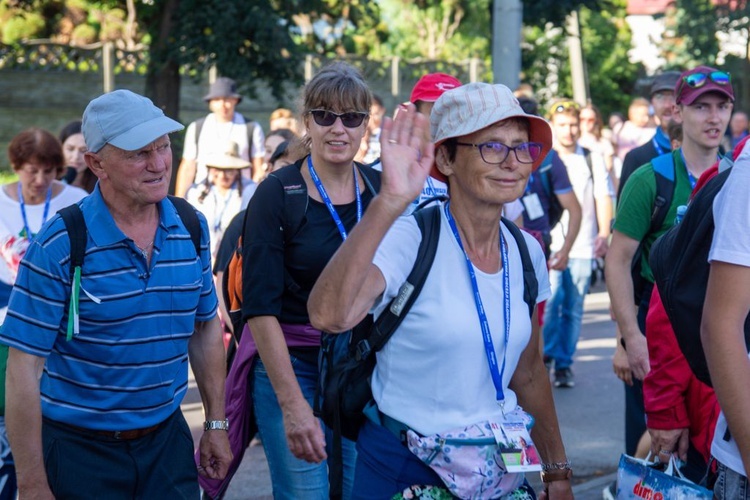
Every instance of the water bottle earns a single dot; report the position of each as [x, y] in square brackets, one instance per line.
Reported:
[680, 214]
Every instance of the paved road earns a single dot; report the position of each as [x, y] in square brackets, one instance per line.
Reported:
[591, 415]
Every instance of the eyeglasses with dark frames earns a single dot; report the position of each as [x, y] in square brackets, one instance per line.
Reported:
[326, 118]
[495, 153]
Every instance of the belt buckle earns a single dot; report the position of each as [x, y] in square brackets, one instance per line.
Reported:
[116, 435]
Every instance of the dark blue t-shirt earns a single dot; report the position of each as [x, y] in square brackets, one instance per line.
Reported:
[560, 184]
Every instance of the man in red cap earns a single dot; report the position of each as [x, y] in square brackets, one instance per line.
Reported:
[703, 102]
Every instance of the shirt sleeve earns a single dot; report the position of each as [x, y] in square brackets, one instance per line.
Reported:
[559, 176]
[209, 302]
[263, 252]
[601, 176]
[731, 243]
[636, 203]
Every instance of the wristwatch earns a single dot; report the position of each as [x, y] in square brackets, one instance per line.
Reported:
[216, 425]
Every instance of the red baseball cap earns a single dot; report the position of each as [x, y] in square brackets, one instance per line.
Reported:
[431, 86]
[698, 81]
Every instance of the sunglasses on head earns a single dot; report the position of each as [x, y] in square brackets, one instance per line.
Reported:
[350, 119]
[564, 106]
[698, 80]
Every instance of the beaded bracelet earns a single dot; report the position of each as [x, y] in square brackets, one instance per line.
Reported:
[566, 465]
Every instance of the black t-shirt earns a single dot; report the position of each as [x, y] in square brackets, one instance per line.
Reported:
[228, 242]
[266, 257]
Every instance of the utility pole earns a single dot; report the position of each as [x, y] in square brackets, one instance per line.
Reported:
[507, 19]
[577, 67]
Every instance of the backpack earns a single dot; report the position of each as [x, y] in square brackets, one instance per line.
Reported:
[679, 260]
[75, 224]
[347, 359]
[555, 211]
[664, 172]
[295, 208]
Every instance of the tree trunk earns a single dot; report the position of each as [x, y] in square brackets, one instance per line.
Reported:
[163, 75]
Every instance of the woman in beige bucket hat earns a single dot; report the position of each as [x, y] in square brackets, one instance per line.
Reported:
[224, 192]
[466, 355]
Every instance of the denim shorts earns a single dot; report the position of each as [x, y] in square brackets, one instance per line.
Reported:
[730, 485]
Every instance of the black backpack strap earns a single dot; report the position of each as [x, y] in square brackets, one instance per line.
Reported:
[295, 198]
[371, 177]
[76, 226]
[187, 213]
[530, 283]
[428, 220]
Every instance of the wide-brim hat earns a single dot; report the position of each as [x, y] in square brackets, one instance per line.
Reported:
[228, 159]
[223, 87]
[125, 120]
[472, 107]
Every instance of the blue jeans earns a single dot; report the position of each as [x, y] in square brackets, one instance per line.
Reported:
[292, 478]
[8, 488]
[730, 485]
[564, 311]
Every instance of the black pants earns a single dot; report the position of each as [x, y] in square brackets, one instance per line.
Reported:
[82, 465]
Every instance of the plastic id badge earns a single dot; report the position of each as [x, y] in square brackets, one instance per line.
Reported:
[533, 206]
[516, 447]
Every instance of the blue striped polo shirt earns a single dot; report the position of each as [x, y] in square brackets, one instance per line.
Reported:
[128, 366]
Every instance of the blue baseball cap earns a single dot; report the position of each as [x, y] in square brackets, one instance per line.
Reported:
[125, 120]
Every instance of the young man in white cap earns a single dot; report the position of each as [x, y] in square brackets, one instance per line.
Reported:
[211, 133]
[106, 418]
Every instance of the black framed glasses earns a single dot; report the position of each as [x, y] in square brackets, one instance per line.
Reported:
[350, 119]
[495, 153]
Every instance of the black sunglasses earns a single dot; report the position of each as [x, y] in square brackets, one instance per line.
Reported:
[350, 119]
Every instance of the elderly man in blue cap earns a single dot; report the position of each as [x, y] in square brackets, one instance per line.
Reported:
[98, 360]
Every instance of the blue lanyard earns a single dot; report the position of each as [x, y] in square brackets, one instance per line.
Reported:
[691, 177]
[227, 199]
[529, 183]
[661, 142]
[489, 348]
[431, 191]
[327, 200]
[23, 210]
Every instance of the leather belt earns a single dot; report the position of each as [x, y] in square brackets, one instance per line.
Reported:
[128, 435]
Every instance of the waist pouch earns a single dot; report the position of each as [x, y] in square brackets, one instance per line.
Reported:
[468, 459]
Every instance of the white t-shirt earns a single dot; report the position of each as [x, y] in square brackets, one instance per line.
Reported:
[12, 244]
[586, 190]
[433, 373]
[731, 244]
[219, 210]
[215, 135]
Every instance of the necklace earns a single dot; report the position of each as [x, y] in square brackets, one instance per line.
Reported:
[144, 250]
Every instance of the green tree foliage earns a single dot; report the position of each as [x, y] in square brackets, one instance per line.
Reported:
[539, 13]
[605, 38]
[689, 36]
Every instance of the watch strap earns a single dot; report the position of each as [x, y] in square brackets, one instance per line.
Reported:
[216, 425]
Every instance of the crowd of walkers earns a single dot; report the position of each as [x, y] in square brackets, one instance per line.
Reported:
[110, 287]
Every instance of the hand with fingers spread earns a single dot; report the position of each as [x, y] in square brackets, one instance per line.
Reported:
[406, 154]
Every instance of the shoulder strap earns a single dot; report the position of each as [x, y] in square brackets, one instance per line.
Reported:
[250, 127]
[371, 177]
[587, 155]
[295, 198]
[77, 232]
[428, 220]
[187, 213]
[198, 127]
[664, 172]
[544, 171]
[530, 283]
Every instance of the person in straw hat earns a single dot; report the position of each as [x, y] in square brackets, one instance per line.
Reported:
[224, 192]
[452, 364]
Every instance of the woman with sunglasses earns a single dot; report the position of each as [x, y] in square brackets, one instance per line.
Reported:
[280, 269]
[466, 355]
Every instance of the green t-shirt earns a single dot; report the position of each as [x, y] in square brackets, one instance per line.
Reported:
[636, 205]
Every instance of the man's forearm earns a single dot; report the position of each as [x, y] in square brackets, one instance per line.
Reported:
[620, 288]
[207, 357]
